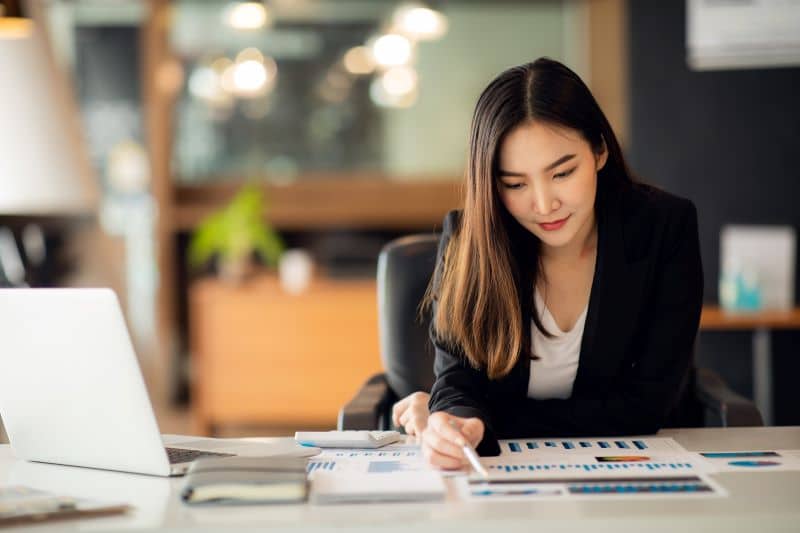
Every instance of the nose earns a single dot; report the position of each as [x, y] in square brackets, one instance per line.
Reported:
[544, 202]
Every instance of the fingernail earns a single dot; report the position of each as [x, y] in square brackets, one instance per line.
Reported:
[461, 442]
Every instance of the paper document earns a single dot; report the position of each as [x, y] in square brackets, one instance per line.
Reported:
[750, 460]
[391, 458]
[607, 446]
[533, 460]
[353, 487]
[693, 486]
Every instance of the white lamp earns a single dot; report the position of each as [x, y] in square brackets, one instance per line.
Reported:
[43, 166]
[44, 172]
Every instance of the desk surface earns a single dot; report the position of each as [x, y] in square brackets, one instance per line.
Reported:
[762, 502]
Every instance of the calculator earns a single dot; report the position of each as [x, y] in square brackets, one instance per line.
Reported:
[347, 439]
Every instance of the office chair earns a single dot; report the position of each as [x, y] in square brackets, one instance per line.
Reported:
[405, 266]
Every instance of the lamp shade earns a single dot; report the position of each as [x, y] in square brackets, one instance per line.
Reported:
[44, 170]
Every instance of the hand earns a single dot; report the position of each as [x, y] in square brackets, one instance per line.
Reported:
[443, 439]
[411, 413]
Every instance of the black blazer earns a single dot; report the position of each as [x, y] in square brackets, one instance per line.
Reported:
[635, 366]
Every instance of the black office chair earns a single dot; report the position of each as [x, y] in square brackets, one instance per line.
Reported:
[405, 266]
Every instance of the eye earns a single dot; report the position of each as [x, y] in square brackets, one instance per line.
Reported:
[564, 174]
[513, 186]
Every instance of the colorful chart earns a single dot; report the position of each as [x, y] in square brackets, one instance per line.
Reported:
[586, 445]
[669, 486]
[735, 455]
[754, 464]
[685, 485]
[623, 458]
[504, 492]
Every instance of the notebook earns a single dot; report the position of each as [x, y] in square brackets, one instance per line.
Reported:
[358, 487]
[246, 480]
[20, 505]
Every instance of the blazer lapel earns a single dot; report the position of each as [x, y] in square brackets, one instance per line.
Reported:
[614, 300]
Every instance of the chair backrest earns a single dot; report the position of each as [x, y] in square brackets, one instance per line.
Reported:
[405, 267]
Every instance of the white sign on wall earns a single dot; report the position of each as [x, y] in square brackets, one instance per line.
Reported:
[742, 34]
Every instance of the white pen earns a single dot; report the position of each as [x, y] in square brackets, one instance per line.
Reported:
[471, 455]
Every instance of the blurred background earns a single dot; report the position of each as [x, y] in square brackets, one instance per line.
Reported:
[232, 170]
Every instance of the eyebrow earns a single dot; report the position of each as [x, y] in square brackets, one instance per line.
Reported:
[551, 166]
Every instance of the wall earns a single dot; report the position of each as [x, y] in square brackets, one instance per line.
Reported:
[728, 140]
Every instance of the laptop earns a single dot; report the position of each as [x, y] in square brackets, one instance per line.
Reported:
[71, 391]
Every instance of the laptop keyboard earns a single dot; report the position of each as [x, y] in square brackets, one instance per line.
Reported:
[182, 455]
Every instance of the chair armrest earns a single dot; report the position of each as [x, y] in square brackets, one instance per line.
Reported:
[722, 406]
[369, 407]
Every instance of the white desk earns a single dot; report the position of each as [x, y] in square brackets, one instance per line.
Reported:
[761, 502]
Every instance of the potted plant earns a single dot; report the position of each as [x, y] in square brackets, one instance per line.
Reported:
[235, 236]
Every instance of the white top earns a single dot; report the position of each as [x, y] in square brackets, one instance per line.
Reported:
[553, 374]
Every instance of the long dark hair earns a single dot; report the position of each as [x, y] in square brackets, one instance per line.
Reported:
[477, 297]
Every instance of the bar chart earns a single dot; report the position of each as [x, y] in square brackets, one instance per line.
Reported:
[592, 446]
[592, 467]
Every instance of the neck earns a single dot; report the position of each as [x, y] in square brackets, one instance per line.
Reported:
[582, 246]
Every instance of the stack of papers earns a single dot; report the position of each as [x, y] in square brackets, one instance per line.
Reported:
[357, 487]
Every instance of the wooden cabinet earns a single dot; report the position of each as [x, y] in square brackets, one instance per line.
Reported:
[261, 356]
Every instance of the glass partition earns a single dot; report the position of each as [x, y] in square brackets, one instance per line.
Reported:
[302, 89]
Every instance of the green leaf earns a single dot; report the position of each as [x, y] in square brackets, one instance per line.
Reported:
[236, 231]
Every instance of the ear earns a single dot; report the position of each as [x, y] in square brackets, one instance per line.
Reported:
[601, 157]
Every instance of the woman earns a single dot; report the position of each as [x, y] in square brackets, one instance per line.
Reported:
[566, 297]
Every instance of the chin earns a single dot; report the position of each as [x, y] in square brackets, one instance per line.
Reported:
[556, 239]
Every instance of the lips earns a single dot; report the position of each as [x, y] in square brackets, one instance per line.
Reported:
[552, 226]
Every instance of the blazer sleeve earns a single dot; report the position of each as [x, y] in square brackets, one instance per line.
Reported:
[458, 389]
[649, 386]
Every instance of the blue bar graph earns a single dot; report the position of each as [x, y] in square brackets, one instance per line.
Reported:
[570, 445]
[693, 485]
[320, 465]
[594, 467]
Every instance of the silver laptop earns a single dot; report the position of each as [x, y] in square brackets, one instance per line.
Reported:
[71, 391]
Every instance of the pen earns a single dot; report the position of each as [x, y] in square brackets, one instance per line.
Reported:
[471, 455]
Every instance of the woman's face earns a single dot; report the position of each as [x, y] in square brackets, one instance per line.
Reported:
[548, 182]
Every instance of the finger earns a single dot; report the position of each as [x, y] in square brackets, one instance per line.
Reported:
[448, 427]
[439, 460]
[421, 422]
[414, 411]
[442, 445]
[398, 409]
[411, 428]
[472, 429]
[403, 419]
